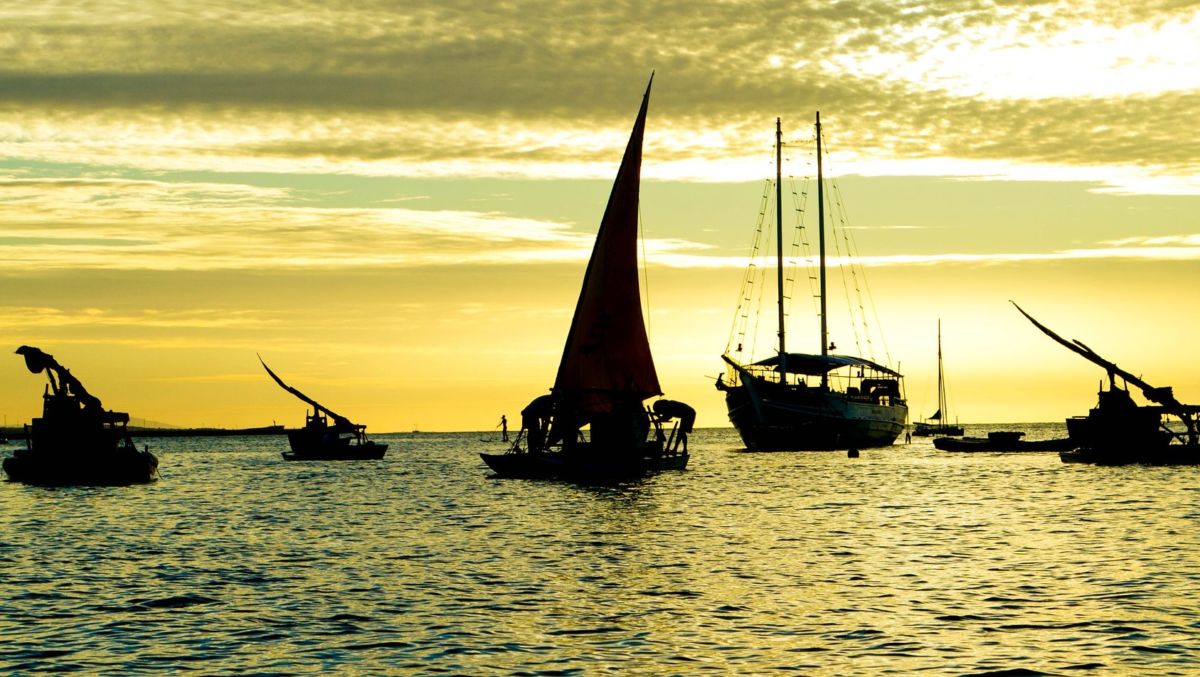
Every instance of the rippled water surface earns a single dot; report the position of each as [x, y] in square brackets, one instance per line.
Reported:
[904, 560]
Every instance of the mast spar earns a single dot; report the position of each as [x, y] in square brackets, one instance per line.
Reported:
[821, 239]
[779, 244]
[941, 376]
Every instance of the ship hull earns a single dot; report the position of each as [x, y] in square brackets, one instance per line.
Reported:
[309, 445]
[119, 468]
[775, 418]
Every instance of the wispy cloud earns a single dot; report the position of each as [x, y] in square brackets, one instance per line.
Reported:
[546, 88]
[29, 317]
[130, 225]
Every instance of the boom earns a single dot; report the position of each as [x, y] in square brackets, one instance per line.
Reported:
[339, 420]
[65, 384]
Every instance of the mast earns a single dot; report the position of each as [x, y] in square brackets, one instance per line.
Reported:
[941, 382]
[779, 244]
[821, 237]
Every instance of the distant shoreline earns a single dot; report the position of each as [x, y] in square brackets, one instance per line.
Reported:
[19, 433]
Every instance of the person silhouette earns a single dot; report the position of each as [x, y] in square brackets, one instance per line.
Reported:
[503, 428]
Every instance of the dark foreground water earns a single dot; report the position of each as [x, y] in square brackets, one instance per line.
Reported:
[905, 560]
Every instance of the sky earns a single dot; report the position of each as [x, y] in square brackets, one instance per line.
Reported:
[393, 202]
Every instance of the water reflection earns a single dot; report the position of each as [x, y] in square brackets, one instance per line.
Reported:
[905, 559]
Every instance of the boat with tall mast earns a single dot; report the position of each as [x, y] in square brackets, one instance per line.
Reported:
[806, 401]
[320, 440]
[936, 424]
[606, 372]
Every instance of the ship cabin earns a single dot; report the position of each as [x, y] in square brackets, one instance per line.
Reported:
[857, 378]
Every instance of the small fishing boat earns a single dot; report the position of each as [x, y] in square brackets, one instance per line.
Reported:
[593, 425]
[319, 440]
[936, 424]
[802, 401]
[1001, 440]
[1118, 431]
[76, 441]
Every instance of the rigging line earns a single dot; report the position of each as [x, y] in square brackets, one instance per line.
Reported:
[800, 204]
[842, 265]
[854, 266]
[762, 275]
[870, 300]
[745, 300]
[857, 271]
[794, 248]
[853, 244]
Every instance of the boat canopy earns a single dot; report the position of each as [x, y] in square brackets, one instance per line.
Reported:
[816, 365]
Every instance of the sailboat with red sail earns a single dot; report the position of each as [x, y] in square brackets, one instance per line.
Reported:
[594, 424]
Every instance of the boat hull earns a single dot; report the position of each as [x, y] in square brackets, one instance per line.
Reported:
[1118, 433]
[558, 465]
[117, 468]
[970, 444]
[70, 447]
[925, 430]
[775, 418]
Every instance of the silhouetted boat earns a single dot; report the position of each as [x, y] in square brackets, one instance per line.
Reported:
[320, 441]
[1117, 431]
[76, 441]
[771, 402]
[935, 425]
[606, 371]
[1001, 440]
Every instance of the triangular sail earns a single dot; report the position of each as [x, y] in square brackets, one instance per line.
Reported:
[937, 416]
[607, 354]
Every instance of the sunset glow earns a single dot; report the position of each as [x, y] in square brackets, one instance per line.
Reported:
[396, 204]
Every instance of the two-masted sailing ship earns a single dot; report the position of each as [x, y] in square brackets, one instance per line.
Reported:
[76, 441]
[607, 371]
[326, 435]
[937, 423]
[1118, 431]
[810, 401]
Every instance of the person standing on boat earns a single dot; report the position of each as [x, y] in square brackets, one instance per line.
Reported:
[503, 428]
[535, 418]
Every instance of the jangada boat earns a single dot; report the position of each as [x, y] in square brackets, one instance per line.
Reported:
[593, 425]
[76, 441]
[1118, 431]
[936, 424]
[319, 440]
[802, 401]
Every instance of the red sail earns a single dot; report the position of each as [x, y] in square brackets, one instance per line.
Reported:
[607, 355]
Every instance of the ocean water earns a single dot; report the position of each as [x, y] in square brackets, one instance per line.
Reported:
[906, 560]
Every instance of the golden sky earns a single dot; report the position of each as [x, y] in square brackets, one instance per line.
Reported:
[393, 202]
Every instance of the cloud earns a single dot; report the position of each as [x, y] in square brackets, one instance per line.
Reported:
[150, 225]
[29, 317]
[547, 88]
